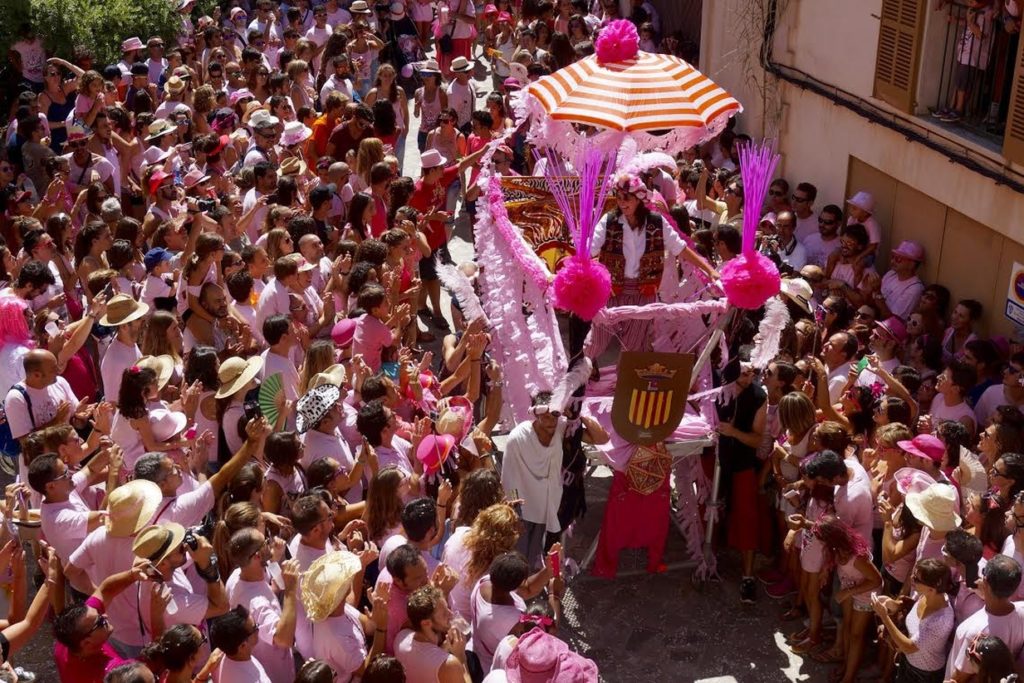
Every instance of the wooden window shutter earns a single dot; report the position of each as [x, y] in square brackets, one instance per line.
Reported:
[1013, 140]
[899, 52]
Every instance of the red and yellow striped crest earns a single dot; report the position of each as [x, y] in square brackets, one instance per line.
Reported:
[650, 395]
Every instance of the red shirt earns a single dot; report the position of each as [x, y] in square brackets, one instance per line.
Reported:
[427, 198]
[74, 669]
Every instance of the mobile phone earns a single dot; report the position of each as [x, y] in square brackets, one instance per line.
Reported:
[862, 363]
[108, 291]
[556, 564]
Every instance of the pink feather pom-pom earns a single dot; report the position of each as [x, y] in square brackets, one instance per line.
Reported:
[749, 280]
[582, 287]
[617, 42]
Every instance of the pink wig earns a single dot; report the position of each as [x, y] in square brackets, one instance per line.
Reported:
[13, 326]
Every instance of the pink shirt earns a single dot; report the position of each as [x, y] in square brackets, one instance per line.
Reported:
[265, 611]
[372, 336]
[249, 671]
[102, 555]
[117, 358]
[65, 525]
[319, 445]
[457, 556]
[340, 642]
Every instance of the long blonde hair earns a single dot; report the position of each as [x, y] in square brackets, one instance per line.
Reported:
[319, 357]
[371, 151]
[495, 531]
[154, 339]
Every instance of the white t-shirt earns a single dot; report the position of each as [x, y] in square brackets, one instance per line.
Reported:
[78, 177]
[258, 218]
[44, 406]
[187, 509]
[273, 300]
[854, 502]
[187, 605]
[396, 455]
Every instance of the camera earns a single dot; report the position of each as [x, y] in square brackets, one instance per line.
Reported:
[206, 205]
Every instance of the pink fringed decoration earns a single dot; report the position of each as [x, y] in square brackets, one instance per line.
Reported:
[617, 42]
[527, 345]
[582, 287]
[750, 279]
[516, 248]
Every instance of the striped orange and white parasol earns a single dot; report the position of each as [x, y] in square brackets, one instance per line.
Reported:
[651, 92]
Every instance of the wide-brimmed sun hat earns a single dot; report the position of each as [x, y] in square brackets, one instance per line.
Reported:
[123, 309]
[156, 542]
[314, 405]
[131, 506]
[327, 582]
[163, 366]
[235, 373]
[937, 507]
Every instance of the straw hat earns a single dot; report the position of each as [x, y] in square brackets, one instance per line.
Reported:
[461, 64]
[326, 583]
[936, 507]
[155, 543]
[292, 166]
[159, 128]
[314, 404]
[455, 417]
[163, 366]
[359, 7]
[174, 85]
[133, 43]
[235, 373]
[131, 506]
[334, 375]
[123, 309]
[799, 290]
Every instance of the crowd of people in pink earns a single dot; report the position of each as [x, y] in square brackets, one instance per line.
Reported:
[262, 426]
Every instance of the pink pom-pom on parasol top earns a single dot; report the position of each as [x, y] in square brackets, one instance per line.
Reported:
[617, 42]
[751, 278]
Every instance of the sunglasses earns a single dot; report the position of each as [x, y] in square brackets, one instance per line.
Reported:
[78, 144]
[799, 199]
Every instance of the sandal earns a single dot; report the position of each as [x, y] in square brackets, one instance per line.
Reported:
[798, 636]
[805, 645]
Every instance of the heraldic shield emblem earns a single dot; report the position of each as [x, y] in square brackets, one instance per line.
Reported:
[650, 395]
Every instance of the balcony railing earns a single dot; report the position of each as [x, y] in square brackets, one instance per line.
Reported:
[977, 71]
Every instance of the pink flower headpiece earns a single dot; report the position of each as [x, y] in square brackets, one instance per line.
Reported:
[625, 182]
[877, 390]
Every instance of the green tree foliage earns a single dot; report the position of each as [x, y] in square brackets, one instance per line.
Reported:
[100, 25]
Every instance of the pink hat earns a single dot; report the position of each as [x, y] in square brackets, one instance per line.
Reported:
[539, 657]
[193, 178]
[912, 480]
[490, 9]
[434, 450]
[455, 417]
[504, 17]
[133, 43]
[343, 332]
[925, 446]
[910, 250]
[895, 328]
[863, 200]
[166, 424]
[512, 83]
[240, 95]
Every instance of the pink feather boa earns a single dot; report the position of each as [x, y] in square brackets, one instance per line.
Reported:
[617, 42]
[528, 261]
